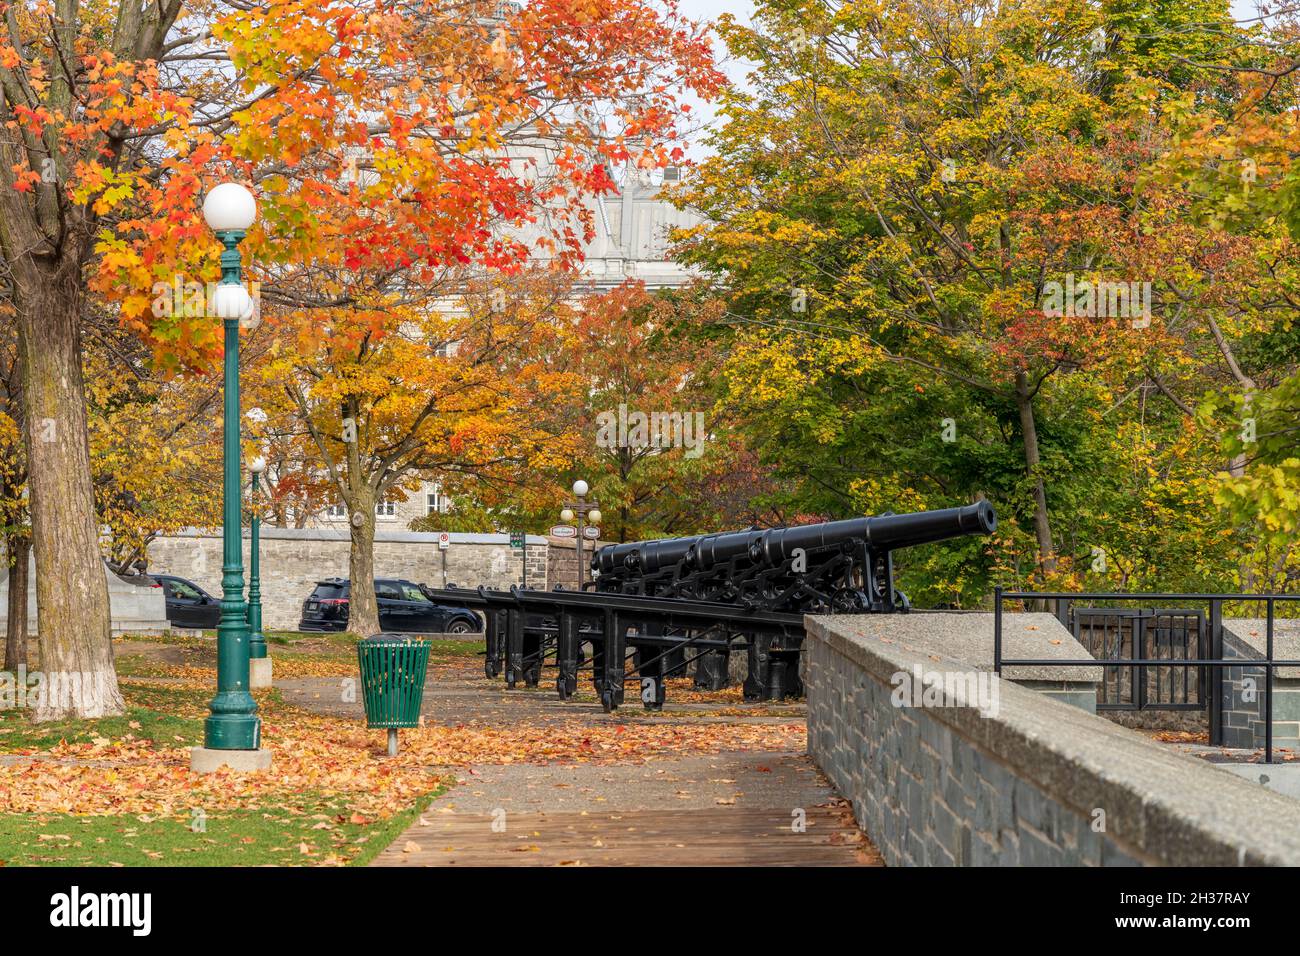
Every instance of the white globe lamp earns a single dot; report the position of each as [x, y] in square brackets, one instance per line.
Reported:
[230, 300]
[229, 208]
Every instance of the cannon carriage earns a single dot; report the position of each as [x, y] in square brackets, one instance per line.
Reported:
[656, 607]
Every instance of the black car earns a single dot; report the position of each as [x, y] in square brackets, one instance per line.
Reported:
[403, 607]
[188, 605]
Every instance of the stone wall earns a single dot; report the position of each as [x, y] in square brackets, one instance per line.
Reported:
[293, 560]
[1245, 688]
[562, 561]
[134, 608]
[1032, 781]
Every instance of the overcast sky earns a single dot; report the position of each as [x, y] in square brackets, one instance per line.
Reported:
[710, 10]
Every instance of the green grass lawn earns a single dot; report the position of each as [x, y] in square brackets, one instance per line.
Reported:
[456, 648]
[308, 829]
[325, 644]
[154, 714]
[169, 638]
[129, 665]
[289, 638]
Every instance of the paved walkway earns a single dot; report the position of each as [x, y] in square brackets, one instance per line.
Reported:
[732, 809]
[744, 809]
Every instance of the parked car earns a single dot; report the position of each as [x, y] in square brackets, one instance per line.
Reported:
[403, 607]
[188, 605]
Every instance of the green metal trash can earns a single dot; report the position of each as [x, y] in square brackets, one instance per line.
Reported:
[392, 681]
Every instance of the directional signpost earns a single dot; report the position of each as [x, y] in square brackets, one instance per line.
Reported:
[517, 540]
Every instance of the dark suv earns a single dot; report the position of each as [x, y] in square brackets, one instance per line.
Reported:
[403, 607]
[188, 605]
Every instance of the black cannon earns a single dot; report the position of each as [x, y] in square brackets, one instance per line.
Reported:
[678, 601]
[835, 567]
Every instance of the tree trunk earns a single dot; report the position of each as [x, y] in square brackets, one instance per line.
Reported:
[19, 548]
[1029, 431]
[363, 609]
[75, 631]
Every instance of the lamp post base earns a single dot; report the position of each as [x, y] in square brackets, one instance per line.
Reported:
[259, 673]
[233, 730]
[205, 760]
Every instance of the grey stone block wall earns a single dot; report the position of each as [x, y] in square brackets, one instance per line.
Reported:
[925, 794]
[1245, 688]
[293, 560]
[562, 560]
[1035, 781]
[133, 609]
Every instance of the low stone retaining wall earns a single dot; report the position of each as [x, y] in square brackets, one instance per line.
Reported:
[294, 559]
[133, 608]
[1030, 781]
[1245, 688]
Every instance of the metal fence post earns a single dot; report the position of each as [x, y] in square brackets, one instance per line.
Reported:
[1063, 612]
[997, 630]
[1268, 689]
[1218, 676]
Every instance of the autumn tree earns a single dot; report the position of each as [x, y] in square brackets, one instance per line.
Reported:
[651, 443]
[389, 396]
[928, 258]
[635, 418]
[1235, 159]
[112, 113]
[155, 446]
[117, 115]
[447, 149]
[77, 84]
[14, 520]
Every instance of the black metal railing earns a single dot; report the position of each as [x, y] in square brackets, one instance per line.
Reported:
[1213, 663]
[1166, 634]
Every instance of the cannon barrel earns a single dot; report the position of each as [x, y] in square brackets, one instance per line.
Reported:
[884, 532]
[664, 552]
[775, 545]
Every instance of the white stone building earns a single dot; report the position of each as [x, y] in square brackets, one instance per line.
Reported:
[631, 242]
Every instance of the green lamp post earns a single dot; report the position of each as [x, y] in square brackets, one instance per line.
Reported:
[233, 724]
